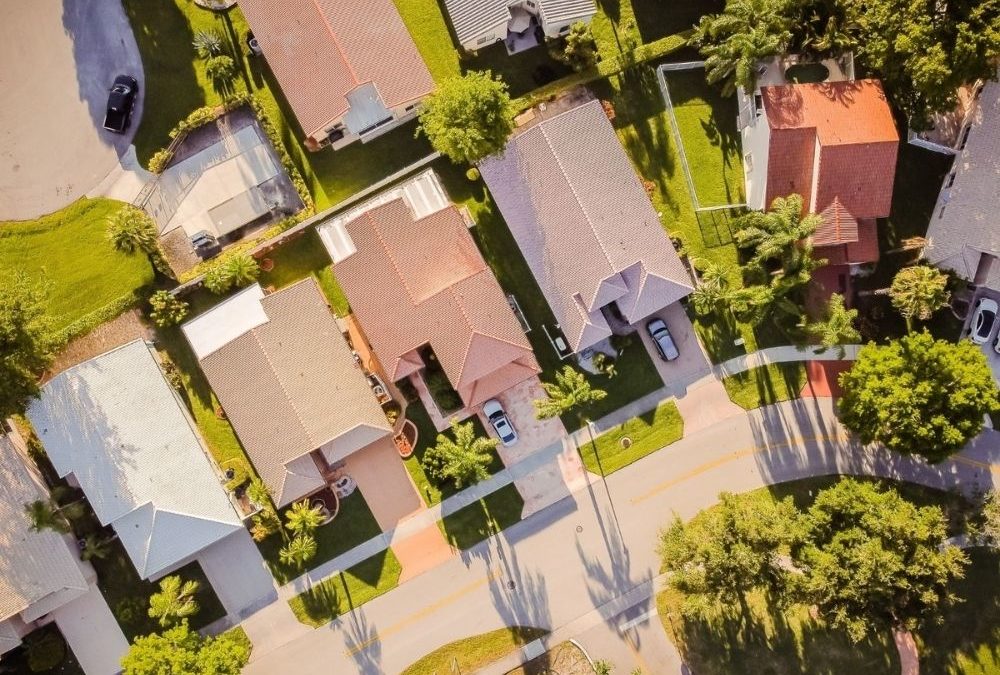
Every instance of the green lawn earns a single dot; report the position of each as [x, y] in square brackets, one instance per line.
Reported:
[766, 385]
[353, 525]
[788, 641]
[302, 257]
[431, 33]
[522, 72]
[648, 433]
[474, 523]
[67, 252]
[655, 21]
[430, 490]
[636, 374]
[348, 590]
[176, 84]
[472, 653]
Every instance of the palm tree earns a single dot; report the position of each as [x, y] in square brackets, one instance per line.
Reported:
[735, 41]
[95, 546]
[174, 601]
[570, 390]
[713, 289]
[47, 514]
[825, 28]
[919, 291]
[777, 234]
[242, 270]
[298, 551]
[304, 519]
[463, 459]
[131, 231]
[837, 326]
[208, 43]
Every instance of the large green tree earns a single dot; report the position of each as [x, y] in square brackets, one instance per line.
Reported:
[918, 395]
[469, 117]
[778, 235]
[734, 41]
[462, 459]
[571, 390]
[174, 601]
[919, 291]
[870, 560]
[729, 550]
[27, 343]
[181, 651]
[925, 49]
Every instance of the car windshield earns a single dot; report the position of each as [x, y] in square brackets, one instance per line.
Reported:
[120, 89]
[986, 319]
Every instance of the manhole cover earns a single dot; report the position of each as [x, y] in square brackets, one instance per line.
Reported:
[579, 528]
[626, 442]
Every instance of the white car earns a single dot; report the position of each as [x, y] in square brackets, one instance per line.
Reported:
[983, 320]
[500, 422]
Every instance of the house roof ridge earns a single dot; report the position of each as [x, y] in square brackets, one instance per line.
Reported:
[389, 255]
[281, 384]
[336, 42]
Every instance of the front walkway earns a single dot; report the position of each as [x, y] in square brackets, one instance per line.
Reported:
[92, 632]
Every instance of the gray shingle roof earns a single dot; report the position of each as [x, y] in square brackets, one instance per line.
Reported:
[116, 424]
[289, 386]
[966, 221]
[584, 223]
[34, 566]
[470, 18]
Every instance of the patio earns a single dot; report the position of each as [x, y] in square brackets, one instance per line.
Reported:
[523, 32]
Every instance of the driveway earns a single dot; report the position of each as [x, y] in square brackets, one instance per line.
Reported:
[692, 362]
[91, 631]
[384, 482]
[238, 574]
[57, 62]
[557, 479]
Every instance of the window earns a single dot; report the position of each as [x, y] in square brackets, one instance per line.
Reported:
[564, 30]
[758, 104]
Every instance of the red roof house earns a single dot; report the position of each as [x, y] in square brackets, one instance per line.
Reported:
[834, 143]
[414, 277]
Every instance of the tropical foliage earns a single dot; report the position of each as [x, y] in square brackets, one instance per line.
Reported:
[469, 117]
[919, 291]
[578, 49]
[462, 459]
[131, 231]
[168, 309]
[836, 328]
[181, 650]
[174, 601]
[27, 342]
[570, 390]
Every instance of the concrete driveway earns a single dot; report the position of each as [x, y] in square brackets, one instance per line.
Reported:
[692, 362]
[57, 63]
[991, 356]
[558, 479]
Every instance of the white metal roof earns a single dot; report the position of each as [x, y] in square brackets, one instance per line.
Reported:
[226, 321]
[115, 423]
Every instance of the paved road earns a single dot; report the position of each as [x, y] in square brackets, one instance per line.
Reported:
[555, 567]
[57, 62]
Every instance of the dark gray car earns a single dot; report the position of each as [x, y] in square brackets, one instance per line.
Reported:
[662, 339]
[121, 102]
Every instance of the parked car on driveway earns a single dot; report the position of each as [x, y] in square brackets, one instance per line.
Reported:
[121, 102]
[662, 339]
[983, 320]
[500, 422]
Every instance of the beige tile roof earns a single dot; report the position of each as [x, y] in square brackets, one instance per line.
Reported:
[290, 386]
[320, 50]
[422, 281]
[966, 219]
[33, 565]
[584, 223]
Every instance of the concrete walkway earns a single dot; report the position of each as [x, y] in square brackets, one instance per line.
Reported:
[785, 354]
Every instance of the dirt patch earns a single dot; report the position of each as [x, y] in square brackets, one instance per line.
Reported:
[564, 659]
[126, 328]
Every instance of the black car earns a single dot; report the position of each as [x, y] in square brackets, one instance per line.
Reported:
[121, 101]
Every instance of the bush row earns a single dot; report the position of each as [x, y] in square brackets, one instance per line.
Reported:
[196, 118]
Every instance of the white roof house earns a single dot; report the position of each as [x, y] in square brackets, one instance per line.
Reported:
[480, 23]
[38, 570]
[121, 431]
[964, 232]
[584, 223]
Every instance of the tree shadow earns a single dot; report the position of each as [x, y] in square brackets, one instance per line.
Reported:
[362, 642]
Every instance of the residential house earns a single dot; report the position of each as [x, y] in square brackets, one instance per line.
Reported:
[290, 386]
[585, 224]
[349, 70]
[115, 427]
[42, 579]
[964, 232]
[480, 23]
[414, 278]
[832, 142]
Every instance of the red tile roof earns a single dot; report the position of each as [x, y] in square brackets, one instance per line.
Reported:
[416, 282]
[320, 50]
[838, 226]
[864, 250]
[851, 126]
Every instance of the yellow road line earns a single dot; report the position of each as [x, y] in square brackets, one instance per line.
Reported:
[731, 457]
[426, 611]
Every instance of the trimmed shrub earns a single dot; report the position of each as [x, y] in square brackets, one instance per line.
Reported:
[472, 174]
[168, 309]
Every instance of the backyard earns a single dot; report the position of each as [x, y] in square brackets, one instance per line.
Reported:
[353, 525]
[67, 251]
[347, 590]
[301, 257]
[785, 641]
[176, 84]
[618, 447]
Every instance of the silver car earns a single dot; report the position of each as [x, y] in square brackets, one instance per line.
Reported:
[983, 320]
[664, 341]
[500, 422]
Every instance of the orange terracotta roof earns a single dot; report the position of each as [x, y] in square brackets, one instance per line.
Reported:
[416, 282]
[320, 50]
[851, 126]
[864, 250]
[838, 226]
